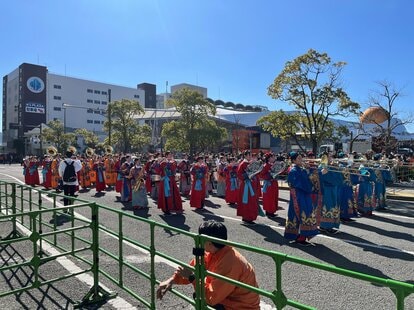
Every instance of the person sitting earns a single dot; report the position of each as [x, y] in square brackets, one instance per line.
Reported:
[226, 261]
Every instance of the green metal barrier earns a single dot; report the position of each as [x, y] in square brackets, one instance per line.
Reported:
[24, 205]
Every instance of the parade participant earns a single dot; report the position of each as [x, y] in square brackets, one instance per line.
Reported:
[248, 205]
[139, 194]
[270, 187]
[346, 195]
[33, 171]
[84, 176]
[155, 177]
[232, 183]
[110, 171]
[67, 171]
[209, 176]
[365, 191]
[185, 176]
[221, 178]
[301, 218]
[223, 260]
[147, 168]
[56, 179]
[118, 164]
[47, 172]
[330, 180]
[198, 171]
[126, 194]
[169, 199]
[381, 177]
[92, 172]
[99, 168]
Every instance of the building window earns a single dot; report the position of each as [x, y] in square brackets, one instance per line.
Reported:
[97, 102]
[89, 111]
[102, 122]
[89, 101]
[136, 96]
[57, 109]
[97, 91]
[97, 112]
[89, 121]
[97, 122]
[89, 90]
[103, 102]
[55, 86]
[104, 93]
[57, 97]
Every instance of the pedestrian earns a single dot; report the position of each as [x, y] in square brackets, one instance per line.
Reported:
[68, 169]
[223, 260]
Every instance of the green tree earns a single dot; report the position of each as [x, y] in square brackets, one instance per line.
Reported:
[190, 131]
[126, 133]
[311, 84]
[385, 97]
[89, 137]
[55, 134]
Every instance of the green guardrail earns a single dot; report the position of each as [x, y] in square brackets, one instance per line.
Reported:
[27, 206]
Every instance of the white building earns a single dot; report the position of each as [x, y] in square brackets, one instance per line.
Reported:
[32, 96]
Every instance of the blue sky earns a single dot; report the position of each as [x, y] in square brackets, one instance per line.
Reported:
[235, 48]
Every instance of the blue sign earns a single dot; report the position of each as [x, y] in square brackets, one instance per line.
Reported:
[35, 84]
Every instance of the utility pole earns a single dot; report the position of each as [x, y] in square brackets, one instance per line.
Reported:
[109, 118]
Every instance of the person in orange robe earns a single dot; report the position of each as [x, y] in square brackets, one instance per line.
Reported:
[223, 260]
[55, 173]
[110, 172]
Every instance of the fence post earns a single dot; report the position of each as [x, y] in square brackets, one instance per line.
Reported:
[96, 294]
[14, 234]
[198, 252]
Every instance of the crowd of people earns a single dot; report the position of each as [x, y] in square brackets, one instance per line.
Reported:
[322, 194]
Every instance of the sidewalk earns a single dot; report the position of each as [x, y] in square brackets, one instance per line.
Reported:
[393, 192]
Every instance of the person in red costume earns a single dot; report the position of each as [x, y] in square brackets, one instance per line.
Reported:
[199, 171]
[232, 183]
[270, 187]
[169, 199]
[223, 260]
[248, 205]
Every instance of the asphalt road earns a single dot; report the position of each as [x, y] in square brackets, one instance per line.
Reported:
[382, 245]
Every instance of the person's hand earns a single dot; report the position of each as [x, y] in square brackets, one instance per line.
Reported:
[163, 288]
[324, 171]
[184, 272]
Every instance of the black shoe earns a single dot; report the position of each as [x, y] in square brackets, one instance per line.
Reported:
[381, 209]
[271, 215]
[346, 219]
[246, 222]
[168, 213]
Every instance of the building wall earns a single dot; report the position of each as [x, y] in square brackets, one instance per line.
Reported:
[201, 90]
[85, 101]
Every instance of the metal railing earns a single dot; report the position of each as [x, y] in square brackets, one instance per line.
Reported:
[29, 207]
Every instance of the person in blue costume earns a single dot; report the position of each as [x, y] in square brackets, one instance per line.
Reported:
[365, 191]
[346, 195]
[301, 223]
[330, 181]
[381, 177]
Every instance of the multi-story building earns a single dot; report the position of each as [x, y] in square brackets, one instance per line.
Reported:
[32, 96]
[199, 89]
